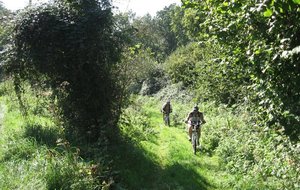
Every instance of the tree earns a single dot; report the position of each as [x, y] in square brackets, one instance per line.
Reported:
[5, 30]
[169, 27]
[4, 26]
[70, 47]
[162, 33]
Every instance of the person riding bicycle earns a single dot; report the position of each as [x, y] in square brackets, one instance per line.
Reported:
[193, 117]
[166, 110]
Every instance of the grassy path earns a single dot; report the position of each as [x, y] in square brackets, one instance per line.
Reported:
[164, 160]
[2, 114]
[2, 110]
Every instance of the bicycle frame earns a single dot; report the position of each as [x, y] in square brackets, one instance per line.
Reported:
[195, 137]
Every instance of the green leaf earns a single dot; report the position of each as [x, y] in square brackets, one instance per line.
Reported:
[268, 13]
[296, 1]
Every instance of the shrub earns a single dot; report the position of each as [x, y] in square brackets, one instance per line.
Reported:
[69, 48]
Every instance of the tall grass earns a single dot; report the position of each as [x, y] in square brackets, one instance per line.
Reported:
[236, 153]
[34, 153]
[160, 157]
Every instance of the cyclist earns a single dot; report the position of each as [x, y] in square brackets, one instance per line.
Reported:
[194, 116]
[166, 110]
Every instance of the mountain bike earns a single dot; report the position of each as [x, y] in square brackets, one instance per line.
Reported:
[195, 135]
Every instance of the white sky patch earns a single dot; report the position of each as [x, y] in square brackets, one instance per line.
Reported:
[140, 7]
[19, 4]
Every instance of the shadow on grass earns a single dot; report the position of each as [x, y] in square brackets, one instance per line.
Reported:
[43, 135]
[138, 171]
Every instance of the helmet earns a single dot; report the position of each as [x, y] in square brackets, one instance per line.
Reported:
[195, 108]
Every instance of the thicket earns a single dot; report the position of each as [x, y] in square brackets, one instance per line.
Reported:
[198, 67]
[261, 158]
[260, 48]
[69, 49]
[246, 55]
[139, 72]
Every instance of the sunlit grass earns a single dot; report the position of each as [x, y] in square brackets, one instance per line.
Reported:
[169, 153]
[34, 153]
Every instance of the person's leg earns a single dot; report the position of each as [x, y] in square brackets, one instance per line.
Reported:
[190, 132]
[199, 135]
[168, 119]
[164, 118]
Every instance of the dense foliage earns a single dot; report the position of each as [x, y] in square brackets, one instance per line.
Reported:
[198, 67]
[5, 29]
[239, 59]
[139, 72]
[150, 40]
[69, 48]
[260, 41]
[162, 34]
[260, 158]
[4, 15]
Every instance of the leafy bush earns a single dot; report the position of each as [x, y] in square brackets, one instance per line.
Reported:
[201, 67]
[260, 51]
[139, 72]
[181, 64]
[255, 154]
[134, 124]
[69, 48]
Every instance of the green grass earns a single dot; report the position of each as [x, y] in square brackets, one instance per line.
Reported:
[34, 153]
[236, 153]
[164, 160]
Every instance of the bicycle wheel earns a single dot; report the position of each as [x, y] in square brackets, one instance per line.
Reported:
[194, 143]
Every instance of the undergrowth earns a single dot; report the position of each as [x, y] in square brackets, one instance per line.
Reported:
[236, 153]
[34, 152]
[257, 157]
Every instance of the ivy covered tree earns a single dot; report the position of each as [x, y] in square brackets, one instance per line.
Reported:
[70, 47]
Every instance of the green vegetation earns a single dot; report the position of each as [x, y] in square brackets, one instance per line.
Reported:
[81, 91]
[234, 154]
[160, 157]
[34, 153]
[69, 49]
[260, 52]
